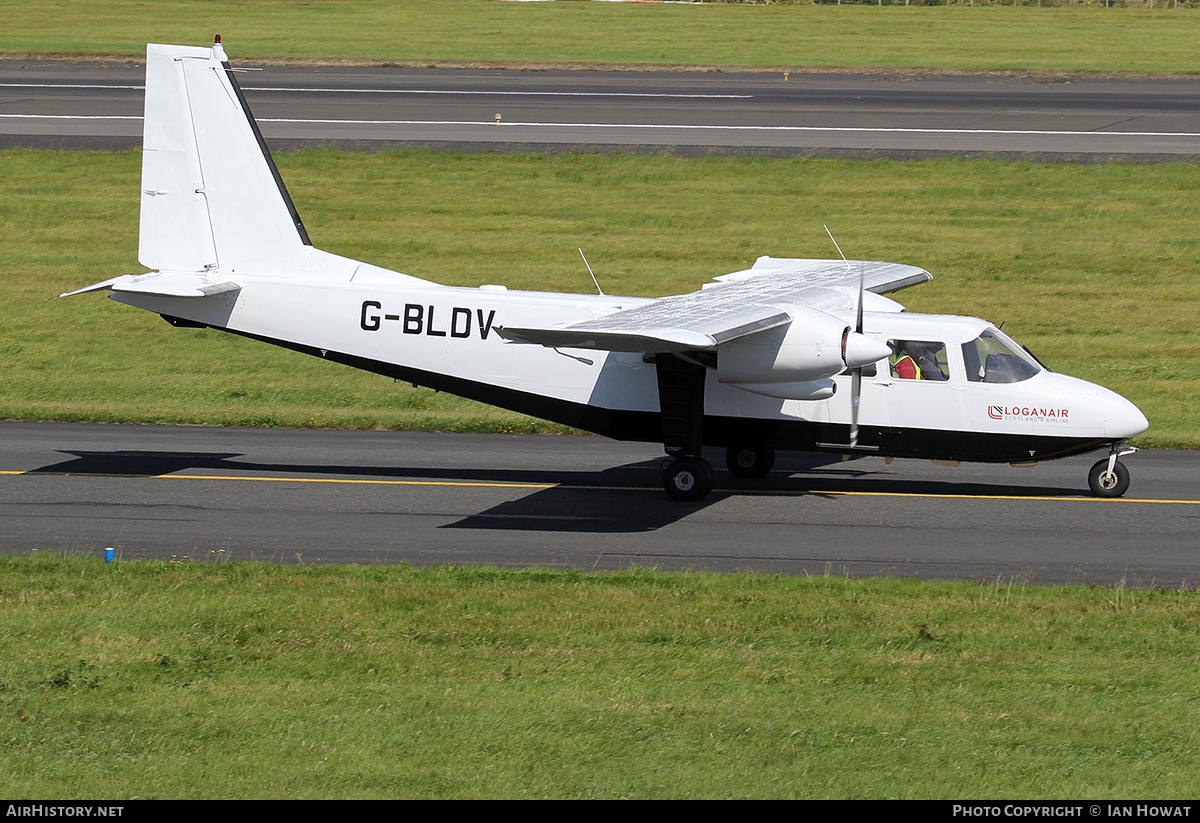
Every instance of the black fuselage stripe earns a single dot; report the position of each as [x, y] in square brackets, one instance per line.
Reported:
[723, 431]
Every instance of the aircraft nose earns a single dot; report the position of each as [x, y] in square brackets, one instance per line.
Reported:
[1123, 420]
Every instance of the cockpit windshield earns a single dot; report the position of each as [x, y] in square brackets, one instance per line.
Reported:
[994, 357]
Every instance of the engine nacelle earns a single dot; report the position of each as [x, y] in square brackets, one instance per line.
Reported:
[877, 302]
[808, 390]
[807, 349]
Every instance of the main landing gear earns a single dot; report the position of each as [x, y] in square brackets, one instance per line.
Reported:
[747, 462]
[691, 478]
[1109, 477]
[681, 399]
[688, 478]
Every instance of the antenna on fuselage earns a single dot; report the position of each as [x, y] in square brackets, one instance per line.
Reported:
[835, 243]
[593, 274]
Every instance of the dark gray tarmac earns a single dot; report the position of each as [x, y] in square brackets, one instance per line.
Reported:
[1090, 119]
[580, 502]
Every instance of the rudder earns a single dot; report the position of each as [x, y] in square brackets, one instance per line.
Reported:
[211, 195]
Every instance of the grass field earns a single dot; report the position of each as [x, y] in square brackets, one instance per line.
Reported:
[475, 32]
[1092, 267]
[245, 680]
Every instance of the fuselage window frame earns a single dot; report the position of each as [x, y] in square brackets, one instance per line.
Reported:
[919, 360]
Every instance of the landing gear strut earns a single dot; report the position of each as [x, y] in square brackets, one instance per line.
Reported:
[1109, 477]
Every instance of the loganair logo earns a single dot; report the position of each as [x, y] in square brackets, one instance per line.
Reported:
[1036, 414]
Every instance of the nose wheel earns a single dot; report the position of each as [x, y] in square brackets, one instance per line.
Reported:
[1106, 482]
[1109, 477]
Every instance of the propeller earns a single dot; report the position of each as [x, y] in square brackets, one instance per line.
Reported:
[856, 372]
[858, 350]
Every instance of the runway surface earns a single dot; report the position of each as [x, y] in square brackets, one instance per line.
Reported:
[580, 502]
[100, 106]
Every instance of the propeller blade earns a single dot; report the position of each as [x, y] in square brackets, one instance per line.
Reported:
[855, 393]
[856, 372]
[858, 350]
[858, 322]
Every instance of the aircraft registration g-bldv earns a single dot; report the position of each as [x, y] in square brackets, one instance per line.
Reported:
[790, 354]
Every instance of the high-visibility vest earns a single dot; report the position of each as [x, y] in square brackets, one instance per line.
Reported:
[916, 368]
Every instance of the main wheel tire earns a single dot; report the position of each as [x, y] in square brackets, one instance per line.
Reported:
[1108, 484]
[688, 478]
[747, 462]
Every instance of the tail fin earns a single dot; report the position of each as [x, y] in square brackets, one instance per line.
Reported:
[211, 195]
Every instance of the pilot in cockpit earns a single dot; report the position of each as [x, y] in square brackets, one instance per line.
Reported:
[917, 360]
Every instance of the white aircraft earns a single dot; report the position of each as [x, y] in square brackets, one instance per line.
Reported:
[789, 354]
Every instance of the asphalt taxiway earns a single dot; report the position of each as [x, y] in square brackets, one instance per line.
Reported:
[580, 502]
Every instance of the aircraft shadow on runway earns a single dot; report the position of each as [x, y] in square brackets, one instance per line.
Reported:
[123, 463]
[577, 501]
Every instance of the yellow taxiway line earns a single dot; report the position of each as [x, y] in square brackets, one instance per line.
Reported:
[498, 485]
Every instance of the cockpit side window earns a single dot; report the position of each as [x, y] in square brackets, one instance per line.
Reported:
[994, 358]
[919, 360]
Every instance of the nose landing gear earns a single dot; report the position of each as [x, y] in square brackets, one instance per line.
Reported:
[1109, 477]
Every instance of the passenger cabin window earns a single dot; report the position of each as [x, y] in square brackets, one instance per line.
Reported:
[919, 360]
[993, 357]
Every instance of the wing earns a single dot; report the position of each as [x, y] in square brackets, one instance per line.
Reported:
[735, 305]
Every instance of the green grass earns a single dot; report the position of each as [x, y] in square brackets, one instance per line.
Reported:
[1092, 267]
[246, 680]
[776, 37]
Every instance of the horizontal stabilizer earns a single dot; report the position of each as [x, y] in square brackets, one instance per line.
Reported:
[163, 284]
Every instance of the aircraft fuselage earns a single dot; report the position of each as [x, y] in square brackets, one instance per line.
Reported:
[446, 338]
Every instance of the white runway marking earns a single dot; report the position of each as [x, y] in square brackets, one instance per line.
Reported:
[72, 116]
[517, 93]
[66, 86]
[409, 91]
[850, 129]
[509, 124]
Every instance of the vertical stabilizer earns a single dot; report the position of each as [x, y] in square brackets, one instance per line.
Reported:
[211, 195]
